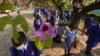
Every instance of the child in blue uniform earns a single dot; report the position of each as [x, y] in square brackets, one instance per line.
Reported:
[93, 38]
[60, 29]
[52, 19]
[88, 22]
[37, 22]
[70, 35]
[24, 47]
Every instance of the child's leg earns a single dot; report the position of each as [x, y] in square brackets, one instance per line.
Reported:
[65, 53]
[60, 38]
[69, 51]
[90, 45]
[88, 51]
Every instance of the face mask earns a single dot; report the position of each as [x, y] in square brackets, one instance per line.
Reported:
[20, 47]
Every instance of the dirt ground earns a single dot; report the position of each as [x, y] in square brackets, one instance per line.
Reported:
[55, 50]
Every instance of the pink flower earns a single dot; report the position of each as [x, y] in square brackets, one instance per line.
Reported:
[45, 31]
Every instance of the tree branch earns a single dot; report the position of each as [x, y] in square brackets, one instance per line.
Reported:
[10, 15]
[89, 8]
[84, 11]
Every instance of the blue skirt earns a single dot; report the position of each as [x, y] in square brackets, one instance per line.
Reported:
[60, 30]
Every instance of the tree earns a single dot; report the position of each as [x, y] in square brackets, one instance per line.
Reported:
[78, 13]
[14, 22]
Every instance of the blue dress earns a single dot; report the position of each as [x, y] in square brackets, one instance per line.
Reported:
[52, 20]
[60, 29]
[71, 37]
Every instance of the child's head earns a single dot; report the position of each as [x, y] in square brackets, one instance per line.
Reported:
[89, 21]
[21, 39]
[53, 13]
[72, 26]
[37, 16]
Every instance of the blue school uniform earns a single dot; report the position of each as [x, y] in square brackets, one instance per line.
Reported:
[88, 21]
[30, 51]
[93, 35]
[71, 37]
[42, 10]
[52, 20]
[60, 29]
[37, 23]
[46, 15]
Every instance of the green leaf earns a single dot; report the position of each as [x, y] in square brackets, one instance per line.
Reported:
[39, 44]
[15, 33]
[21, 20]
[48, 42]
[6, 6]
[4, 21]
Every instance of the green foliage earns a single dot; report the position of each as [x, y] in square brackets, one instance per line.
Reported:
[48, 42]
[38, 43]
[21, 20]
[41, 45]
[52, 3]
[88, 2]
[6, 6]
[66, 4]
[18, 20]
[4, 21]
[15, 33]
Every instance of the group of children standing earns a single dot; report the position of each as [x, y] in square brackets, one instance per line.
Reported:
[70, 33]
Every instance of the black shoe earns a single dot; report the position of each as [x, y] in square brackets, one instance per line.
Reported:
[57, 41]
[88, 53]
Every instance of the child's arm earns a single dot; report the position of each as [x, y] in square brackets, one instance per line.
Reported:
[13, 52]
